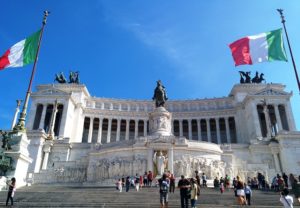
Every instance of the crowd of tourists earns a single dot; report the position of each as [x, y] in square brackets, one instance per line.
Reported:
[189, 188]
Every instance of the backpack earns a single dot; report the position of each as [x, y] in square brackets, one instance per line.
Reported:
[164, 187]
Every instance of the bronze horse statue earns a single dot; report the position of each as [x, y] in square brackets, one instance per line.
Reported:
[60, 78]
[160, 95]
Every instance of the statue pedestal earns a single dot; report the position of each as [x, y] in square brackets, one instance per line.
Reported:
[160, 122]
[20, 159]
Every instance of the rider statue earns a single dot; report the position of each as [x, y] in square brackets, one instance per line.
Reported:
[160, 95]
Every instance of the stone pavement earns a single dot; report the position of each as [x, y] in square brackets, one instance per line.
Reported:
[108, 197]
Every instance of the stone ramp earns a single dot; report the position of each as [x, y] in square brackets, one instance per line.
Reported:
[108, 197]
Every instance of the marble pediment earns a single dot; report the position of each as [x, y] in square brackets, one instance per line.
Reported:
[52, 91]
[273, 92]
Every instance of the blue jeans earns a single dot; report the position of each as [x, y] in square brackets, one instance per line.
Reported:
[193, 202]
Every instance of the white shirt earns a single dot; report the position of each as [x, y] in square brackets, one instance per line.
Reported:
[284, 202]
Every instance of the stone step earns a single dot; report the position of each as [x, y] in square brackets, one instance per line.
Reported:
[80, 196]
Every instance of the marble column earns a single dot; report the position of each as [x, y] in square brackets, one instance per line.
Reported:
[199, 130]
[208, 130]
[118, 129]
[228, 136]
[109, 130]
[145, 127]
[268, 122]
[190, 129]
[256, 120]
[218, 130]
[150, 160]
[278, 119]
[170, 160]
[100, 131]
[290, 116]
[136, 128]
[42, 121]
[91, 130]
[127, 129]
[180, 128]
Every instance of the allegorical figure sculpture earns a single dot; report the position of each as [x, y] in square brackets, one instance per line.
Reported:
[160, 95]
[60, 78]
[160, 161]
[245, 77]
[73, 78]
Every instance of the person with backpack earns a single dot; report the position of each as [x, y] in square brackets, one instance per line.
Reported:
[164, 184]
[248, 193]
[195, 192]
[286, 199]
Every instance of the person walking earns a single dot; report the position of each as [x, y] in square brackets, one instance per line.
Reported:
[150, 178]
[11, 191]
[184, 186]
[145, 180]
[248, 193]
[240, 192]
[127, 183]
[286, 199]
[164, 184]
[195, 190]
[137, 182]
[204, 180]
[119, 185]
[172, 183]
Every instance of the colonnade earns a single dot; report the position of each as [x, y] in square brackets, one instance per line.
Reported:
[107, 130]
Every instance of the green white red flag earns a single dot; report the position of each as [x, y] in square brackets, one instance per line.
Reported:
[259, 48]
[22, 53]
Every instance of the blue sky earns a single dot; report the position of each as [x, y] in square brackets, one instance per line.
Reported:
[122, 47]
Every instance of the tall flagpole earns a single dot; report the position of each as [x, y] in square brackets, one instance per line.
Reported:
[20, 126]
[287, 38]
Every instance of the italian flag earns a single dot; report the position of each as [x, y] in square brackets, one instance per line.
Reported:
[259, 48]
[22, 53]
